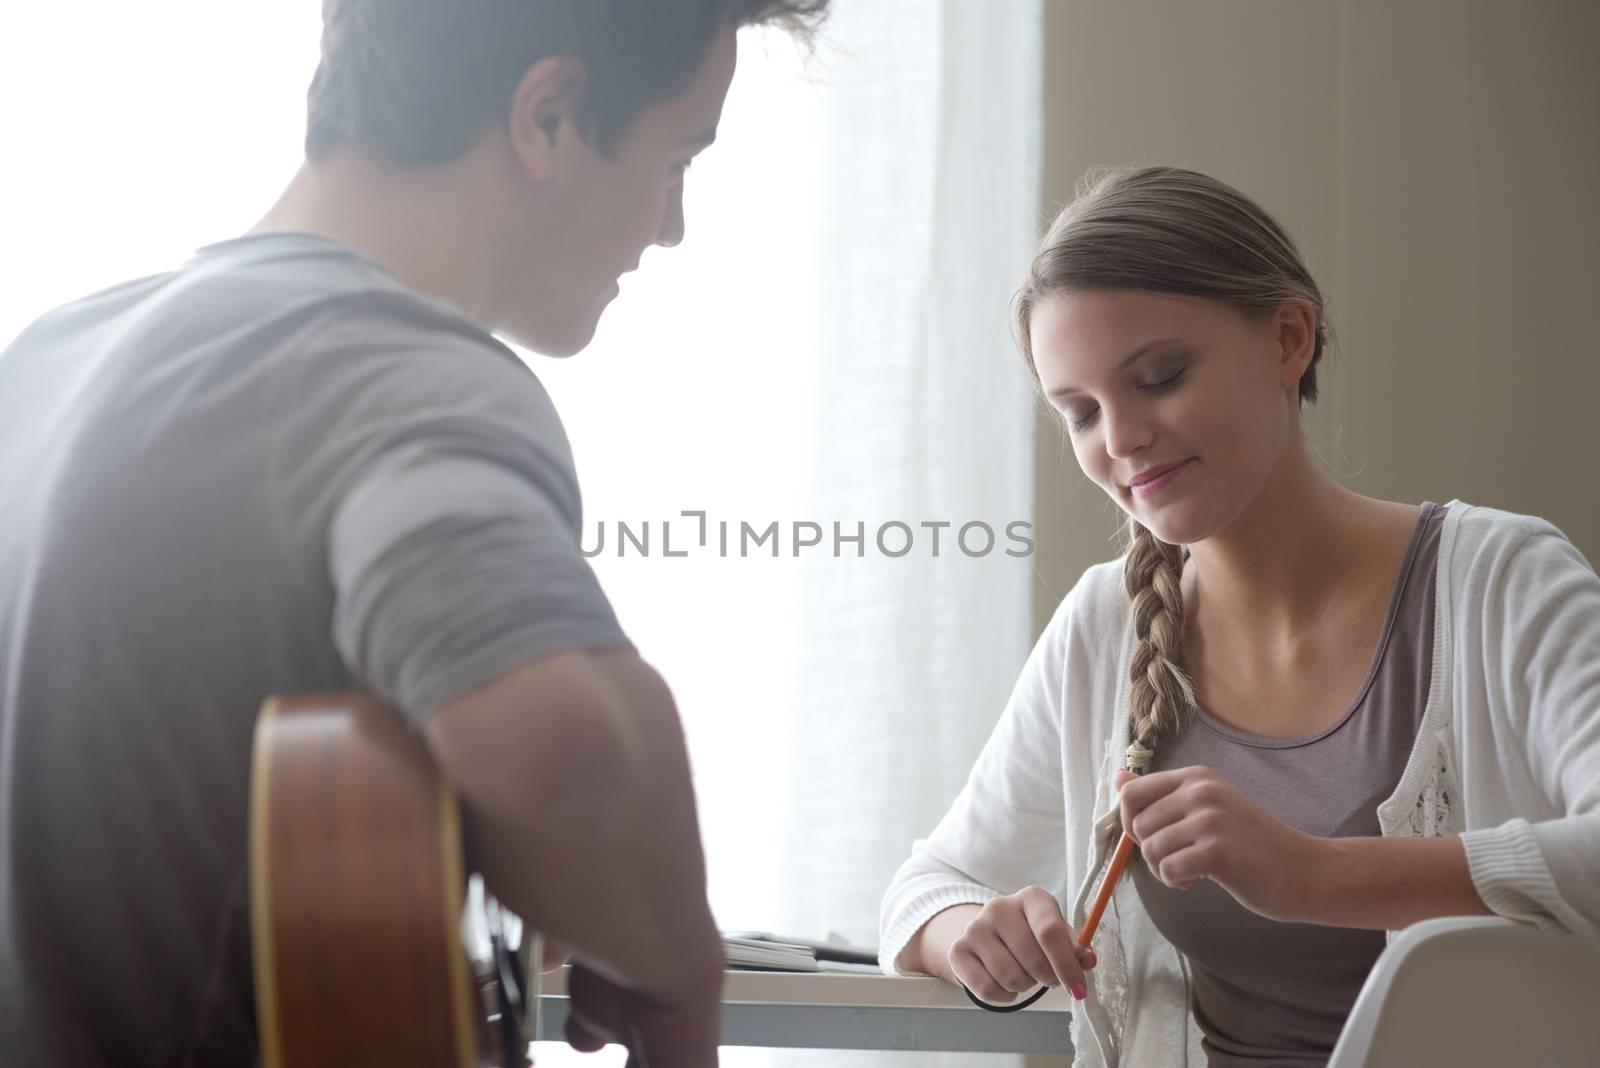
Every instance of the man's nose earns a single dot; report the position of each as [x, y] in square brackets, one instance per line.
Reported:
[672, 219]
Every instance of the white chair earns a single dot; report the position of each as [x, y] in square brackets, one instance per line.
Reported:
[1476, 992]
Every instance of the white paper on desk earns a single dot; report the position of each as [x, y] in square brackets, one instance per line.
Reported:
[745, 953]
[848, 966]
[834, 947]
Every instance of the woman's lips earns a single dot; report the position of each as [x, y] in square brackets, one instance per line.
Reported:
[1155, 485]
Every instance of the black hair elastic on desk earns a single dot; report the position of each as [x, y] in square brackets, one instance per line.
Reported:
[1005, 1008]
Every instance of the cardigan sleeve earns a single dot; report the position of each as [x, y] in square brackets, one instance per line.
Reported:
[1004, 831]
[1543, 611]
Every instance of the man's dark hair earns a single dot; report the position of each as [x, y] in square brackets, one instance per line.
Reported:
[415, 82]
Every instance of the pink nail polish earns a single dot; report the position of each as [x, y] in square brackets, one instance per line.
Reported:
[1078, 991]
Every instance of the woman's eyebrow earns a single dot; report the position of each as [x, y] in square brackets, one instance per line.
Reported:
[1065, 391]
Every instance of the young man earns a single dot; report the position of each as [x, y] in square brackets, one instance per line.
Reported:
[302, 462]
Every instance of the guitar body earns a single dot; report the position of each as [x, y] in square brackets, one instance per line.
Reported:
[356, 896]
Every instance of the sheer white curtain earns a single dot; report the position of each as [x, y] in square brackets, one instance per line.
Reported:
[930, 210]
[828, 346]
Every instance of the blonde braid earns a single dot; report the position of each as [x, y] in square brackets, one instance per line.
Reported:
[1161, 694]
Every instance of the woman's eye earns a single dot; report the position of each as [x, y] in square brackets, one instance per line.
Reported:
[1077, 423]
[1166, 383]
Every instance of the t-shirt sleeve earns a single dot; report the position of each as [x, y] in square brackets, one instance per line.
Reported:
[451, 570]
[428, 473]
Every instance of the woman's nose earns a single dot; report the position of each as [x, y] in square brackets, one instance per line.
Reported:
[1126, 433]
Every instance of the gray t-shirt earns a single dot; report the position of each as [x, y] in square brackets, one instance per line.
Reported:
[273, 470]
[1279, 993]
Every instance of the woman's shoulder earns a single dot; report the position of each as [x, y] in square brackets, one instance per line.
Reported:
[1483, 534]
[1497, 549]
[1480, 524]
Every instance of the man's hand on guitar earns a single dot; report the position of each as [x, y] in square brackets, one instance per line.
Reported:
[676, 1032]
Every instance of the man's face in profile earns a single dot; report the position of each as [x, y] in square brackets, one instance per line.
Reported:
[611, 208]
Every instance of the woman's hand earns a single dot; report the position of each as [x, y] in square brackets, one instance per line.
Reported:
[1191, 824]
[1015, 943]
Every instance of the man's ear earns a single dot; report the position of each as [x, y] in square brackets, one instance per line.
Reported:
[544, 112]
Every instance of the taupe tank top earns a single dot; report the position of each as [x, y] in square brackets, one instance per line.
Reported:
[1279, 993]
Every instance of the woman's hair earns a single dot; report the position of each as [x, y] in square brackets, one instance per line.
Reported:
[1174, 231]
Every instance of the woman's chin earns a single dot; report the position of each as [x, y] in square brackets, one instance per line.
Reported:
[1174, 524]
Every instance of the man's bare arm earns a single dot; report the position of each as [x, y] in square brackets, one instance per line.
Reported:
[580, 813]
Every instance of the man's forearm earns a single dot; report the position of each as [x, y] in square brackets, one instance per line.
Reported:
[1389, 883]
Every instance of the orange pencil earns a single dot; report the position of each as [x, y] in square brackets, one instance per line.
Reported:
[1119, 860]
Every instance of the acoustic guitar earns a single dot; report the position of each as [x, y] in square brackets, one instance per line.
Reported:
[359, 902]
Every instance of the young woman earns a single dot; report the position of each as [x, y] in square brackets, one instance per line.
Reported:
[1323, 717]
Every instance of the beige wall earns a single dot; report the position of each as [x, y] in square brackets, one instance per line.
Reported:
[1437, 161]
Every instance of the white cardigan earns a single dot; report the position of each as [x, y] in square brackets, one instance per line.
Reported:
[1507, 757]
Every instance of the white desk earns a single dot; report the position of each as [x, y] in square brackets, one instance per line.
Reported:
[822, 1010]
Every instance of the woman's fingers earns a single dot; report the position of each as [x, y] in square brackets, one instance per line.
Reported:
[1017, 942]
[1147, 800]
[1181, 866]
[1174, 853]
[1065, 959]
[987, 968]
[1042, 939]
[1165, 811]
[982, 958]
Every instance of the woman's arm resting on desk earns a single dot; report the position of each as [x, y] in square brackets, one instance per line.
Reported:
[929, 949]
[1002, 948]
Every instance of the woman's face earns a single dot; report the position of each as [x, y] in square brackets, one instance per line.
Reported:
[1145, 380]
